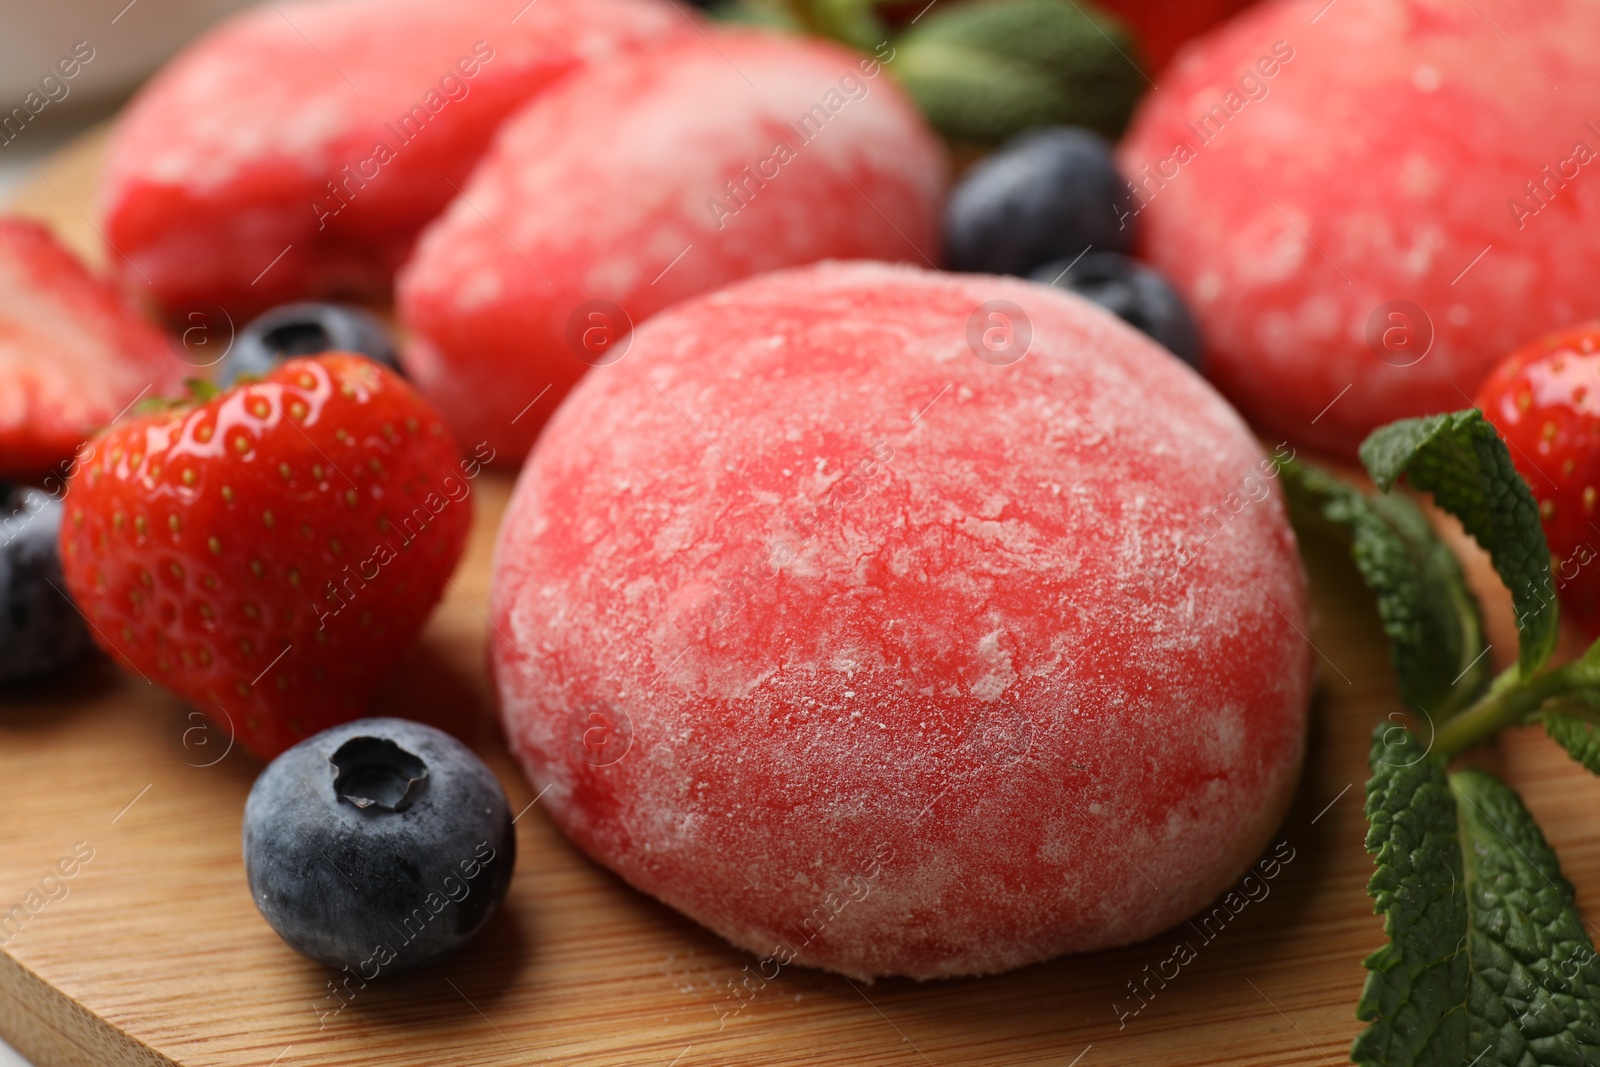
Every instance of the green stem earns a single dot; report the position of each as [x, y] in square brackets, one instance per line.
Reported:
[1510, 701]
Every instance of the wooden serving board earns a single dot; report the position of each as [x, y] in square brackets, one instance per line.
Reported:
[156, 954]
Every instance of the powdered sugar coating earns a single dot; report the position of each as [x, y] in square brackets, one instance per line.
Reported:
[1380, 162]
[648, 182]
[801, 604]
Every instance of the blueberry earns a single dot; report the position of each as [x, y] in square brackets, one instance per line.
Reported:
[40, 630]
[305, 330]
[1134, 293]
[378, 845]
[1044, 195]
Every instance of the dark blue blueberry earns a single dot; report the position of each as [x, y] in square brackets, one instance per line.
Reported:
[1135, 293]
[378, 845]
[1044, 195]
[306, 330]
[40, 630]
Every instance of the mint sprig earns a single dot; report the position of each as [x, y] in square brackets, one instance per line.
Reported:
[1465, 464]
[1429, 614]
[1488, 961]
[1462, 460]
[982, 72]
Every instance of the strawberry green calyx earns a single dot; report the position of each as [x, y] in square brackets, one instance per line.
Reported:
[196, 391]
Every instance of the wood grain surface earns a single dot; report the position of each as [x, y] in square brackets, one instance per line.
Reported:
[156, 954]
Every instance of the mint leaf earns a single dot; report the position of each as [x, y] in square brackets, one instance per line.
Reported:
[982, 72]
[1431, 618]
[851, 21]
[1535, 992]
[1462, 461]
[1576, 733]
[1417, 983]
[1488, 961]
[773, 14]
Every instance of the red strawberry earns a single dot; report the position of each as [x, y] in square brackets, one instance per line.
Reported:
[268, 553]
[72, 353]
[1545, 400]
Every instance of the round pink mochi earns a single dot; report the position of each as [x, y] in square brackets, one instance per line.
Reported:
[874, 655]
[1368, 203]
[634, 185]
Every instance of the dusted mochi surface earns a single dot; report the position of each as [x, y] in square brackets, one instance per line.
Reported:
[853, 647]
[1383, 161]
[614, 187]
[223, 162]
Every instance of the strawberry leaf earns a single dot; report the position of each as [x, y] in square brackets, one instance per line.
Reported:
[1431, 618]
[1462, 461]
[1488, 961]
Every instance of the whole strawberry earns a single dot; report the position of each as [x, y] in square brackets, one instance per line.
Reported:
[268, 553]
[1545, 400]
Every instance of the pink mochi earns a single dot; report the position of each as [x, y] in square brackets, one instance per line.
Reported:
[296, 150]
[1368, 203]
[877, 656]
[638, 184]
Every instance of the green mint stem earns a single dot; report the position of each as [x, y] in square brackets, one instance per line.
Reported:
[1511, 700]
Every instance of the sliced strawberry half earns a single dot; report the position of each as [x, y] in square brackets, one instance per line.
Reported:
[73, 353]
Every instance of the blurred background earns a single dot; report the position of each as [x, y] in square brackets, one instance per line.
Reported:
[129, 41]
